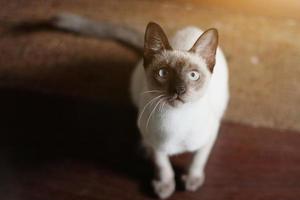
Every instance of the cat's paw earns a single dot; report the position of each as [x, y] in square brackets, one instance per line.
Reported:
[163, 189]
[192, 183]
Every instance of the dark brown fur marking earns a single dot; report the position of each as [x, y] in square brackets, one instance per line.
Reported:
[177, 76]
[156, 41]
[177, 81]
[207, 51]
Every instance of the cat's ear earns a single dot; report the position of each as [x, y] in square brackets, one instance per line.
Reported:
[206, 47]
[156, 41]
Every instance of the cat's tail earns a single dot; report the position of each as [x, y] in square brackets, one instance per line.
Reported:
[87, 27]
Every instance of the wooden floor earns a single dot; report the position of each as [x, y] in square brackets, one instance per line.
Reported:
[55, 148]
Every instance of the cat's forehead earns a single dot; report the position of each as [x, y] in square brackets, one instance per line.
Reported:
[178, 59]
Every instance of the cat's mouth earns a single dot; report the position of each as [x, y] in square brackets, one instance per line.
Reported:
[175, 100]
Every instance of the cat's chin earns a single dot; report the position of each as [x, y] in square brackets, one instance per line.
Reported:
[176, 102]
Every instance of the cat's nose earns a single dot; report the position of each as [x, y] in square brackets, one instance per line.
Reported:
[180, 90]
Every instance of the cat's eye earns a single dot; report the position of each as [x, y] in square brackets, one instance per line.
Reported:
[163, 72]
[193, 75]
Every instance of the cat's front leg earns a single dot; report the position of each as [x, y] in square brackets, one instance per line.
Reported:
[196, 176]
[164, 184]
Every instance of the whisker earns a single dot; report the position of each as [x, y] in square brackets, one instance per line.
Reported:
[159, 101]
[162, 106]
[151, 91]
[143, 110]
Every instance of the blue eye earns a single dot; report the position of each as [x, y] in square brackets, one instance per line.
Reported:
[163, 72]
[193, 75]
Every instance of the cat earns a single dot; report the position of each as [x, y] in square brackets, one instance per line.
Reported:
[180, 89]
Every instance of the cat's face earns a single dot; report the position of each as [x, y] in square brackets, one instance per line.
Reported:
[180, 76]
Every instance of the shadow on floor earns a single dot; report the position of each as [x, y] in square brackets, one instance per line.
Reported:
[39, 129]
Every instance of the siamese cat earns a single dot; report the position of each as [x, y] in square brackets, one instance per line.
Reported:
[180, 89]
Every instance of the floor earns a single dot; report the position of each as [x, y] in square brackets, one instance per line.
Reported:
[54, 147]
[262, 51]
[68, 128]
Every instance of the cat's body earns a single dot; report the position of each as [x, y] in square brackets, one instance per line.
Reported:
[179, 88]
[191, 125]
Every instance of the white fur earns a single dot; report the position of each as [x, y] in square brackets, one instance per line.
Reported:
[192, 126]
[188, 127]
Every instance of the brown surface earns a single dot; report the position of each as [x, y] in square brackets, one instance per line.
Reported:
[288, 9]
[63, 148]
[84, 146]
[263, 54]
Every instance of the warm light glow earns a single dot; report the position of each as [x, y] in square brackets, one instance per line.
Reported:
[274, 8]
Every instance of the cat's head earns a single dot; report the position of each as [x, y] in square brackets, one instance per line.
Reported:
[180, 76]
